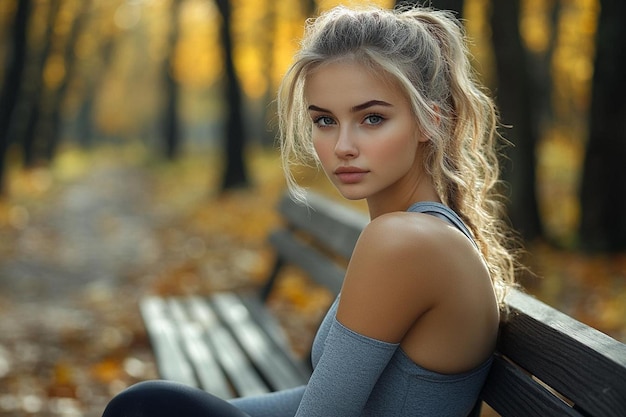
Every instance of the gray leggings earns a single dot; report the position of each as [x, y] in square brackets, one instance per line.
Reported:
[166, 398]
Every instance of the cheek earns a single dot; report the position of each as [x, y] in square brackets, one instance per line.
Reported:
[323, 150]
[401, 149]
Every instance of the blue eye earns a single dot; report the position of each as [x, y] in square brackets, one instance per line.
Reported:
[323, 121]
[374, 119]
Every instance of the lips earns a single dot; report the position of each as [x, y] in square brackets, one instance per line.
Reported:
[350, 175]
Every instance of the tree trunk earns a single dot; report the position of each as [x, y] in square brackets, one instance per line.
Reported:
[235, 175]
[172, 90]
[85, 126]
[515, 99]
[455, 6]
[268, 130]
[12, 82]
[308, 6]
[52, 136]
[34, 96]
[603, 190]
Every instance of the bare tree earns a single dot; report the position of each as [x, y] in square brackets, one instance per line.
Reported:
[98, 64]
[51, 136]
[12, 81]
[34, 93]
[309, 7]
[515, 98]
[172, 89]
[269, 109]
[235, 173]
[603, 191]
[455, 6]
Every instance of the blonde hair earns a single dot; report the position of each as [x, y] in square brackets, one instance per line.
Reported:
[424, 52]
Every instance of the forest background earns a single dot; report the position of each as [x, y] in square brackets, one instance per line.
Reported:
[173, 101]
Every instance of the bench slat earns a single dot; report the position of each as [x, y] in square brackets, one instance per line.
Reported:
[317, 267]
[583, 364]
[513, 393]
[209, 375]
[230, 356]
[337, 226]
[269, 360]
[164, 337]
[271, 327]
[546, 362]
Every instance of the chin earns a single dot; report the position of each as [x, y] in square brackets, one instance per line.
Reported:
[353, 198]
[352, 195]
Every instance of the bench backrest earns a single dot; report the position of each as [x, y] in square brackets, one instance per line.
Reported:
[551, 364]
[546, 363]
[318, 238]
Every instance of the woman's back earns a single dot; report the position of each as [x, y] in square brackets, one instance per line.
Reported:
[429, 372]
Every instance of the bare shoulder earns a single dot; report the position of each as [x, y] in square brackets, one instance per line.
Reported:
[416, 238]
[416, 280]
[402, 266]
[436, 255]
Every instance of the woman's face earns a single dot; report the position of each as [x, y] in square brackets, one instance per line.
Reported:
[364, 132]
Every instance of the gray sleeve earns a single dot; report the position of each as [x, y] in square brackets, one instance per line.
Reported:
[347, 372]
[276, 404]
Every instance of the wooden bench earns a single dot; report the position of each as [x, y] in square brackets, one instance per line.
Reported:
[547, 364]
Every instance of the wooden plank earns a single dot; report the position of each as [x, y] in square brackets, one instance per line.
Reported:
[583, 364]
[274, 366]
[209, 374]
[318, 267]
[169, 355]
[331, 223]
[228, 353]
[512, 393]
[272, 328]
[574, 360]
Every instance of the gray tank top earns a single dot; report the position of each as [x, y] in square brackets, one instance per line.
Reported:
[357, 376]
[401, 387]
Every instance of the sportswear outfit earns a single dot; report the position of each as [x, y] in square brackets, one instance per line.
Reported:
[353, 375]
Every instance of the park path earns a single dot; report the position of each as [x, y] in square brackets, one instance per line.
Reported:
[70, 333]
[92, 231]
[76, 257]
[78, 250]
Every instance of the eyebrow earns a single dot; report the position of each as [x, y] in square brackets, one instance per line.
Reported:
[357, 108]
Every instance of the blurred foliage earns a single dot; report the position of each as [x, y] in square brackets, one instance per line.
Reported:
[128, 100]
[70, 333]
[70, 342]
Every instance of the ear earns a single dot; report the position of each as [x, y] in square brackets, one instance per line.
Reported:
[436, 115]
[420, 134]
[421, 137]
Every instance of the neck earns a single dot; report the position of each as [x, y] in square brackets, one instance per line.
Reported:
[400, 199]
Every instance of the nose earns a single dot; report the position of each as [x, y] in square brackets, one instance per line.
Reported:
[346, 147]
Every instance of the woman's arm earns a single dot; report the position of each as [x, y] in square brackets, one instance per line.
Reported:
[394, 276]
[275, 404]
[377, 306]
[345, 374]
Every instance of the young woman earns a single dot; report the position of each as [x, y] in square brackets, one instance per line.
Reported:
[386, 103]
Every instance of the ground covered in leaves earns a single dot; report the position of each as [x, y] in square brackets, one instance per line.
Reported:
[82, 241]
